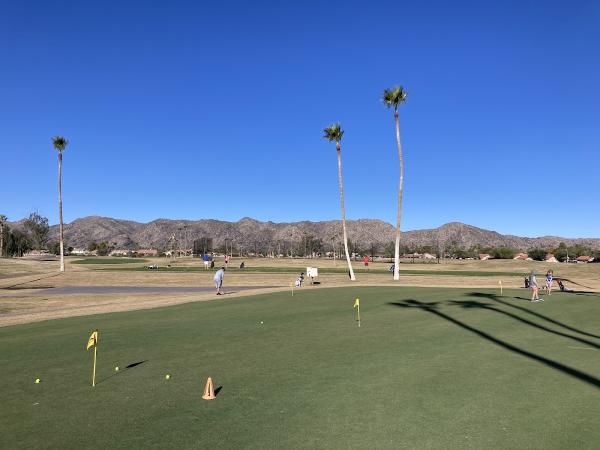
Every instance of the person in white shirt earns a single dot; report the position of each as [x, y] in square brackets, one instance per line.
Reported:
[219, 279]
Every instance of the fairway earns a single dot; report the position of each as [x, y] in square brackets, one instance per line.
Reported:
[428, 368]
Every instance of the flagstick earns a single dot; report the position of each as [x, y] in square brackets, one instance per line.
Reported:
[94, 372]
[358, 312]
[500, 282]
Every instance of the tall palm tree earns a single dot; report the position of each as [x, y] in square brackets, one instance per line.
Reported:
[60, 143]
[393, 98]
[334, 133]
[2, 221]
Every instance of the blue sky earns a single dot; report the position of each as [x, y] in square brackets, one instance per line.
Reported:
[215, 110]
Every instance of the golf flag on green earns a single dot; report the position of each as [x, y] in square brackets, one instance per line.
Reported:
[93, 342]
[357, 307]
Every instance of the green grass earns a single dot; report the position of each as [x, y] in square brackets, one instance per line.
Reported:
[429, 368]
[110, 260]
[297, 270]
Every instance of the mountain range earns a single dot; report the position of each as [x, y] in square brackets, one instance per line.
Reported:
[248, 232]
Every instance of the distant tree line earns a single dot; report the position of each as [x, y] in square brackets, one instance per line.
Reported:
[34, 236]
[561, 253]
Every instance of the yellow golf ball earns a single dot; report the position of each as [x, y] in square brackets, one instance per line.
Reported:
[117, 369]
[37, 381]
[167, 377]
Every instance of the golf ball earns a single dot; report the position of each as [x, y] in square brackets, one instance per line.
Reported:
[167, 376]
[261, 322]
[37, 380]
[117, 369]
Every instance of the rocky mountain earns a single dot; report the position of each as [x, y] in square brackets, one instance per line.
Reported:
[248, 232]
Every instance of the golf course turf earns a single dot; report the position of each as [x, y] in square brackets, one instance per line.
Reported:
[428, 368]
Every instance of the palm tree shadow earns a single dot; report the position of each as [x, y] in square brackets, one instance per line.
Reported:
[585, 293]
[432, 308]
[470, 304]
[497, 299]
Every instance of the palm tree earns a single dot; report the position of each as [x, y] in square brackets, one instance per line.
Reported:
[60, 143]
[334, 133]
[2, 221]
[393, 98]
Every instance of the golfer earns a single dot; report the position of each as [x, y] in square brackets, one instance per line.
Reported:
[549, 278]
[219, 280]
[534, 287]
[206, 260]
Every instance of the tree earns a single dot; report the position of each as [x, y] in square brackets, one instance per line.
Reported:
[393, 98]
[537, 254]
[16, 243]
[2, 222]
[334, 133]
[561, 252]
[60, 143]
[103, 249]
[37, 228]
[504, 253]
[54, 248]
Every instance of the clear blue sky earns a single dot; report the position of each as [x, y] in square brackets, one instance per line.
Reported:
[215, 110]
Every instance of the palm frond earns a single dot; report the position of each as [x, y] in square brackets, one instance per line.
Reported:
[333, 132]
[59, 143]
[392, 98]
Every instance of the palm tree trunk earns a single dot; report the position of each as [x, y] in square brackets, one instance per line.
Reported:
[400, 190]
[60, 217]
[339, 154]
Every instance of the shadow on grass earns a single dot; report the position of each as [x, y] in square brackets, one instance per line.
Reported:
[497, 299]
[432, 308]
[23, 288]
[135, 364]
[471, 304]
[128, 367]
[217, 390]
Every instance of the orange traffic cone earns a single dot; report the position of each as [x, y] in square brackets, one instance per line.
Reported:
[209, 391]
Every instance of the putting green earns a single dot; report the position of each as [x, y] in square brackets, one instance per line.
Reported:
[428, 368]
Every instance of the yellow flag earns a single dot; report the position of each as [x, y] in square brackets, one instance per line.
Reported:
[357, 303]
[93, 340]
